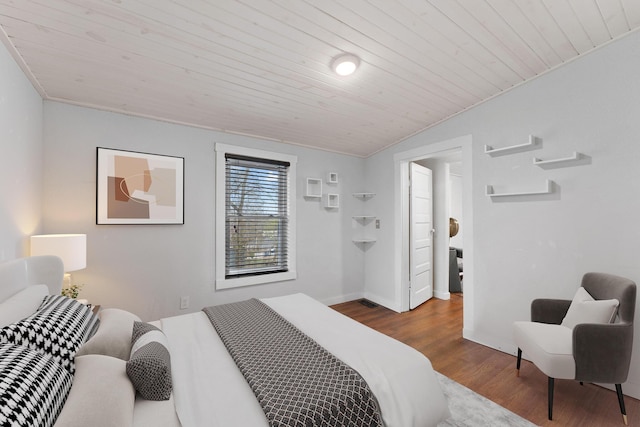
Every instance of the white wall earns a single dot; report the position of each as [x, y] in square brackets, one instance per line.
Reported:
[146, 268]
[20, 159]
[530, 248]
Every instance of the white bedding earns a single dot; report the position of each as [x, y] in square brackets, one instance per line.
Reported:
[209, 390]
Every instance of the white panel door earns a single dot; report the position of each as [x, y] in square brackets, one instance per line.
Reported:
[420, 235]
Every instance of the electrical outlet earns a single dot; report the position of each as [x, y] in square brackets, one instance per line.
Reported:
[377, 223]
[184, 303]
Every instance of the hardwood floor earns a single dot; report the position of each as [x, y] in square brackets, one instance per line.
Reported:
[435, 329]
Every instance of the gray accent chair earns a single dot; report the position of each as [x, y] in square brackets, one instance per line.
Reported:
[591, 352]
[455, 268]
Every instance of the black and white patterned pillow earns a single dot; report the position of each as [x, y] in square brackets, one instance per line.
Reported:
[58, 328]
[80, 316]
[33, 387]
[149, 367]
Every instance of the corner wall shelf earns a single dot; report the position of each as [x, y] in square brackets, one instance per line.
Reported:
[363, 223]
[548, 190]
[559, 163]
[533, 144]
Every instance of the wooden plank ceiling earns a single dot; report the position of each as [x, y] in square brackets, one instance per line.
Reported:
[261, 67]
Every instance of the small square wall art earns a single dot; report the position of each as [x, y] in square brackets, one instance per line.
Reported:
[139, 188]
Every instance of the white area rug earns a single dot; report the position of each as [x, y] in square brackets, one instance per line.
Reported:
[469, 409]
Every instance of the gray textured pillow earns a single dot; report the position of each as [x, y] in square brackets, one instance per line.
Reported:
[149, 367]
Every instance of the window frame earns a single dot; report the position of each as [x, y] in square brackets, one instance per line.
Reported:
[221, 281]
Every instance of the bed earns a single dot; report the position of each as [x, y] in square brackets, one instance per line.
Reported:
[206, 386]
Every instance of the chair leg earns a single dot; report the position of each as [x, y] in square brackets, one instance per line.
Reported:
[550, 398]
[518, 362]
[621, 402]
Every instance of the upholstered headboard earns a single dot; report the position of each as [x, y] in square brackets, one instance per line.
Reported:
[19, 273]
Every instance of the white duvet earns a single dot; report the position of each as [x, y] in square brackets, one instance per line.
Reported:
[209, 390]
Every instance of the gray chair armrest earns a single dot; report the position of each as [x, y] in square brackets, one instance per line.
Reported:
[549, 310]
[602, 352]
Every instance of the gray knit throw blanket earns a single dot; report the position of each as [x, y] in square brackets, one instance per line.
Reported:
[296, 381]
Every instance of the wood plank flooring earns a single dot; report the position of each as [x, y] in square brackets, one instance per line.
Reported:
[435, 329]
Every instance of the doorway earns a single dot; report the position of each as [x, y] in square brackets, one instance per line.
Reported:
[457, 146]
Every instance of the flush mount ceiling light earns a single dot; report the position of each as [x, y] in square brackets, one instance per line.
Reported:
[345, 64]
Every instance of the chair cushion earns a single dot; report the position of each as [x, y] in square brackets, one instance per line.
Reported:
[549, 347]
[584, 309]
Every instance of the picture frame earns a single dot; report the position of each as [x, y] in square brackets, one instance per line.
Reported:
[138, 188]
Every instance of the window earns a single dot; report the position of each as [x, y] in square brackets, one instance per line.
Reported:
[255, 217]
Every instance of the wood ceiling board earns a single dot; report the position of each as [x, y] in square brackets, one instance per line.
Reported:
[262, 67]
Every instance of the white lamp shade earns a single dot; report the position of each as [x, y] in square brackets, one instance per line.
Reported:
[71, 248]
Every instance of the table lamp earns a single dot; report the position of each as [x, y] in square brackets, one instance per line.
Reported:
[71, 248]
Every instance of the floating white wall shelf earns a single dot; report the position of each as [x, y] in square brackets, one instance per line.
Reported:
[314, 187]
[547, 190]
[363, 218]
[559, 163]
[332, 201]
[364, 240]
[332, 178]
[533, 143]
[364, 196]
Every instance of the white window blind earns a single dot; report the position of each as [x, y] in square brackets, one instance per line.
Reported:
[256, 216]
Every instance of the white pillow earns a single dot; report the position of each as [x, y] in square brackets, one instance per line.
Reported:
[101, 395]
[584, 309]
[22, 304]
[113, 338]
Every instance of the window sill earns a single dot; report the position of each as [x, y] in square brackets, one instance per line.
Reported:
[223, 283]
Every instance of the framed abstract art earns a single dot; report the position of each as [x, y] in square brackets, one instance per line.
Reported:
[139, 188]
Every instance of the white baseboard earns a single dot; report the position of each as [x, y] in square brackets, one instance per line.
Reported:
[628, 389]
[342, 298]
[442, 295]
[391, 305]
